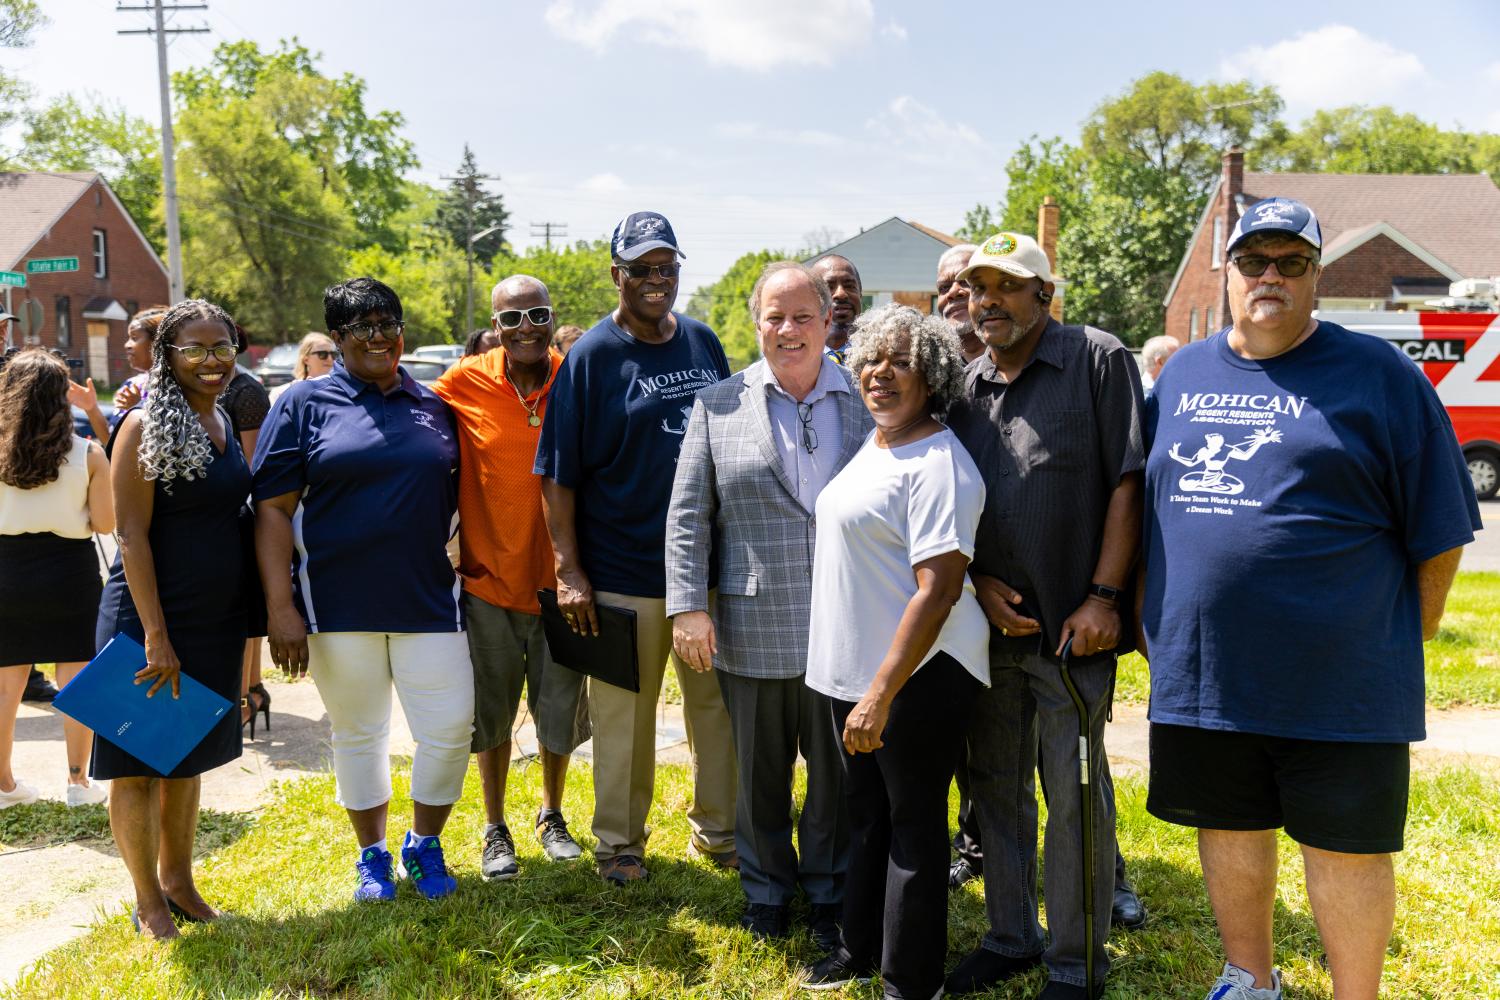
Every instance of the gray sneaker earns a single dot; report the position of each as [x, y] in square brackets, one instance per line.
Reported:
[1234, 983]
[499, 860]
[552, 831]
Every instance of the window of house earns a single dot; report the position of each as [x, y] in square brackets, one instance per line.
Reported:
[1218, 248]
[1208, 322]
[101, 264]
[64, 323]
[1192, 324]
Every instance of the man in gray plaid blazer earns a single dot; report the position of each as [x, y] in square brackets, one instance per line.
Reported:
[760, 446]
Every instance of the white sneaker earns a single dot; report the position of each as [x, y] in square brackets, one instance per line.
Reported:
[1234, 983]
[86, 795]
[18, 796]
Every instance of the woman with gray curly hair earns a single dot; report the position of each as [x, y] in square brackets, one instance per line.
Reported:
[900, 645]
[178, 587]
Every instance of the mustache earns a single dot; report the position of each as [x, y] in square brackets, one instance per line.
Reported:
[990, 314]
[1278, 294]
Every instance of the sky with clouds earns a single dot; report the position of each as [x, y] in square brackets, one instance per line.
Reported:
[752, 123]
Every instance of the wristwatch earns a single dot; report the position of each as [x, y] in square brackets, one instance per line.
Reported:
[1105, 591]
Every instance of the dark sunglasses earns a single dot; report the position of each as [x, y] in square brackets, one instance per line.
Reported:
[1253, 265]
[390, 330]
[510, 319]
[323, 355]
[224, 353]
[639, 271]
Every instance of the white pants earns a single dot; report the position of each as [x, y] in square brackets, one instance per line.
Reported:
[354, 672]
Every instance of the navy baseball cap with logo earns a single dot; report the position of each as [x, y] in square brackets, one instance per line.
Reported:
[642, 232]
[1285, 215]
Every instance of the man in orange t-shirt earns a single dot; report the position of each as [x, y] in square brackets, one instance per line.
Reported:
[499, 399]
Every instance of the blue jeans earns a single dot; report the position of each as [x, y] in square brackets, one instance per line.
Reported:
[1023, 720]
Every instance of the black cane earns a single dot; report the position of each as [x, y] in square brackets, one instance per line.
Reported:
[1086, 799]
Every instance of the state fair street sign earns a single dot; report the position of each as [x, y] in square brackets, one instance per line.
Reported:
[15, 278]
[51, 265]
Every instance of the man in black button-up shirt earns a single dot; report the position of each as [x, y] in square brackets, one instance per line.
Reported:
[1053, 421]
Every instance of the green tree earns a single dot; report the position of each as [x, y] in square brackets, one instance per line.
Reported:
[358, 155]
[725, 306]
[1379, 140]
[1179, 129]
[70, 134]
[467, 208]
[429, 277]
[19, 19]
[577, 278]
[264, 234]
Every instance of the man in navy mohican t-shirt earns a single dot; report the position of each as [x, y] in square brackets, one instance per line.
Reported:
[1306, 505]
[618, 412]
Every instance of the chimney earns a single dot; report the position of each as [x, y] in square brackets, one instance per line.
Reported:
[1234, 173]
[1046, 235]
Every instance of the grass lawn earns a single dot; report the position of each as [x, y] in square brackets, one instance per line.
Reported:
[1463, 662]
[558, 932]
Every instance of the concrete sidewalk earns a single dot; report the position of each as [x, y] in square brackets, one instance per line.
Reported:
[55, 893]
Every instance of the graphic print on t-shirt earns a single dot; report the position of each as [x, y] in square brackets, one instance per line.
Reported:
[1213, 478]
[1225, 412]
[658, 390]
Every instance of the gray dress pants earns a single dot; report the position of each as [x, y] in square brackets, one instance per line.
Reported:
[1025, 720]
[772, 719]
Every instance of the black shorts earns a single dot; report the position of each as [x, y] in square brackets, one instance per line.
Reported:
[1345, 797]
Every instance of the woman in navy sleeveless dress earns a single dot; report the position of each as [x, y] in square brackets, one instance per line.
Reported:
[179, 479]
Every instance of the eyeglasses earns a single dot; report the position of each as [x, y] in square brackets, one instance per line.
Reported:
[390, 330]
[323, 355]
[639, 271]
[510, 319]
[224, 353]
[1291, 266]
[809, 435]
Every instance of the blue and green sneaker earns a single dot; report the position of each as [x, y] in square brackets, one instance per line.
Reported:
[422, 857]
[376, 879]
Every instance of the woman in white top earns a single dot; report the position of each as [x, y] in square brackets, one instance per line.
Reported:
[54, 495]
[900, 644]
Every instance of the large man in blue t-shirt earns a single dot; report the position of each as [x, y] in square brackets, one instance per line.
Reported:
[1306, 505]
[618, 412]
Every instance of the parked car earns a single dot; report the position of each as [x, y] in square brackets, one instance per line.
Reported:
[81, 425]
[424, 370]
[448, 354]
[276, 367]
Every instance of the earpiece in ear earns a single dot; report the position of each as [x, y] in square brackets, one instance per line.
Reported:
[1043, 296]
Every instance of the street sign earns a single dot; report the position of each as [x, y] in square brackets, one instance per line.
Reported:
[13, 278]
[51, 265]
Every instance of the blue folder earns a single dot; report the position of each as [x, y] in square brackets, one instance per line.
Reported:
[159, 730]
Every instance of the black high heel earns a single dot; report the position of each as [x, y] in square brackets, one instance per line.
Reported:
[265, 702]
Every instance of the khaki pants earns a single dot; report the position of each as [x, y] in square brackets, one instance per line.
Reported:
[625, 743]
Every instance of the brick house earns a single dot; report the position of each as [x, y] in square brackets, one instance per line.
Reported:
[82, 312]
[1390, 241]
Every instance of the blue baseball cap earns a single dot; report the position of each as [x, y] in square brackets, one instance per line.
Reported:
[641, 232]
[1285, 215]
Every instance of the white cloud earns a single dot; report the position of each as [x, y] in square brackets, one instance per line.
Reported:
[754, 36]
[603, 184]
[893, 29]
[911, 129]
[1492, 72]
[1331, 67]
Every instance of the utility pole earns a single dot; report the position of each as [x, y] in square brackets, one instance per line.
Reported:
[168, 156]
[548, 229]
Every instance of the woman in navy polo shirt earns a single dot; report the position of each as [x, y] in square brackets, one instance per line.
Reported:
[356, 495]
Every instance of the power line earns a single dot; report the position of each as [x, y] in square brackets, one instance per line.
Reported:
[168, 157]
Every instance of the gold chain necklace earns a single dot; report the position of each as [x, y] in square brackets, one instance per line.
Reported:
[531, 417]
